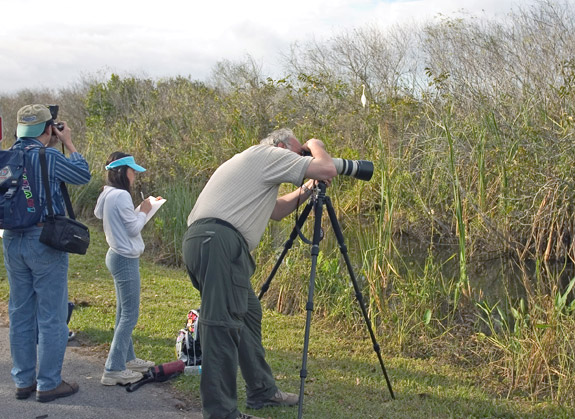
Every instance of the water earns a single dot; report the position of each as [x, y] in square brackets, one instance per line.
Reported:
[493, 277]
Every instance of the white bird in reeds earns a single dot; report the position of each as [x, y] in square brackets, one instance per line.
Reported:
[363, 98]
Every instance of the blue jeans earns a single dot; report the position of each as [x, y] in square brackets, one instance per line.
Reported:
[126, 273]
[38, 309]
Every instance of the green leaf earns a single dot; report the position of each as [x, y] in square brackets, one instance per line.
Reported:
[427, 316]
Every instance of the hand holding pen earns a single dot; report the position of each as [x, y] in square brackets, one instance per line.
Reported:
[146, 205]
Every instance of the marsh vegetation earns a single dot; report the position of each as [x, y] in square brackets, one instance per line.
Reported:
[463, 239]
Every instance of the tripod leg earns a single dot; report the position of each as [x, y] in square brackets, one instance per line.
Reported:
[358, 294]
[288, 244]
[309, 305]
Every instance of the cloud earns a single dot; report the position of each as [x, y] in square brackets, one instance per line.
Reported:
[61, 45]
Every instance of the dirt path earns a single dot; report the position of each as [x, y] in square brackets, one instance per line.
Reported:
[84, 365]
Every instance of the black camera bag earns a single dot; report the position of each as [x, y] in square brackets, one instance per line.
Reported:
[60, 232]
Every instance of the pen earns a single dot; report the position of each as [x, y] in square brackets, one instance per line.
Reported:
[142, 195]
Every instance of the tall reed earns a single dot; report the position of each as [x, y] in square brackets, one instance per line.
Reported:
[463, 285]
[376, 245]
[167, 227]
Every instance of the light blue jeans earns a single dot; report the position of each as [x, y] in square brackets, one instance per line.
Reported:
[126, 273]
[38, 309]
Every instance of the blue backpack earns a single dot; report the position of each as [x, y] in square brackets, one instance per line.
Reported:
[19, 202]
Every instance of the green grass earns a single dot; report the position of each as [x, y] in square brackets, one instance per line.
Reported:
[344, 377]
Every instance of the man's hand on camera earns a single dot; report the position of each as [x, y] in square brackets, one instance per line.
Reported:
[313, 144]
[321, 167]
[311, 183]
[64, 136]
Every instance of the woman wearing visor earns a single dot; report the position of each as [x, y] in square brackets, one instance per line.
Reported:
[122, 226]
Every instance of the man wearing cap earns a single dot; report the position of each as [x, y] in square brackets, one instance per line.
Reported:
[38, 274]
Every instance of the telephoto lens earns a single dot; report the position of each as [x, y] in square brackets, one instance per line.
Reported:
[359, 169]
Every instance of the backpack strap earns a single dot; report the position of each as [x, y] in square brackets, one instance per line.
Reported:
[65, 195]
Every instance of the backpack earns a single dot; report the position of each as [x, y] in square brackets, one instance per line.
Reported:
[188, 347]
[19, 203]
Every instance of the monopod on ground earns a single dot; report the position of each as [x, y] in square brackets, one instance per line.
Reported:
[158, 374]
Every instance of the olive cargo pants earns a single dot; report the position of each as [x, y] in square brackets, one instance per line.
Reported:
[220, 266]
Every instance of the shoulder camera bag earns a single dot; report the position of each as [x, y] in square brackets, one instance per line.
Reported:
[60, 232]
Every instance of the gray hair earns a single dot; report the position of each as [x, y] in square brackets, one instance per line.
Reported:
[282, 135]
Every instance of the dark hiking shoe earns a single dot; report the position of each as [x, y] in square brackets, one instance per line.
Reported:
[244, 416]
[63, 390]
[25, 392]
[279, 399]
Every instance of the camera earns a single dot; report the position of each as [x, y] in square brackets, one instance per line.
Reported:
[359, 169]
[54, 113]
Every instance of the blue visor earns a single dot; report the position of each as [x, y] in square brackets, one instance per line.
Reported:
[126, 161]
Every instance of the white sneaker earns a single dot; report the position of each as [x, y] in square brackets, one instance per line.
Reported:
[111, 378]
[139, 365]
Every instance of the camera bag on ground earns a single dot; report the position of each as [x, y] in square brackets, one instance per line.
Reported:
[19, 204]
[188, 347]
[60, 232]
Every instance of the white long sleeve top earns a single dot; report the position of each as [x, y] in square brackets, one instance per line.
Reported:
[122, 224]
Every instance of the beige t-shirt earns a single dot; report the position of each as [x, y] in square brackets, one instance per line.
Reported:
[243, 191]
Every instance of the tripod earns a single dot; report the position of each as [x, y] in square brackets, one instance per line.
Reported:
[318, 200]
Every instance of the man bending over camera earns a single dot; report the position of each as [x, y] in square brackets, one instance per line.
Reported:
[226, 223]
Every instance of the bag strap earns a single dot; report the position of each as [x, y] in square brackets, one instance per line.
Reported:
[65, 195]
[67, 201]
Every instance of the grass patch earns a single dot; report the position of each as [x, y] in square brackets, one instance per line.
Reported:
[344, 377]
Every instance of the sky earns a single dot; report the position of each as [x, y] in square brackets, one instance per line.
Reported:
[55, 44]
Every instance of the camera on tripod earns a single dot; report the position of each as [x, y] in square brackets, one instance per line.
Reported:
[54, 113]
[359, 169]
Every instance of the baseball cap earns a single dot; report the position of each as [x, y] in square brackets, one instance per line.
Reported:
[32, 120]
[126, 161]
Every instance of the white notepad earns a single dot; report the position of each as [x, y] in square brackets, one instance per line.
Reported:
[156, 204]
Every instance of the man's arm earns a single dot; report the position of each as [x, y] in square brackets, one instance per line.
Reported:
[73, 170]
[321, 167]
[287, 204]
